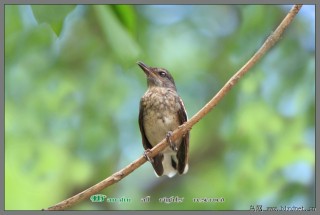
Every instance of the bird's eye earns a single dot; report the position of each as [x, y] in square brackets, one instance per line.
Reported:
[162, 74]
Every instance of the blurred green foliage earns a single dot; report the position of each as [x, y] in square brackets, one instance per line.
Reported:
[53, 15]
[72, 91]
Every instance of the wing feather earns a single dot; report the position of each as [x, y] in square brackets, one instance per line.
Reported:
[183, 150]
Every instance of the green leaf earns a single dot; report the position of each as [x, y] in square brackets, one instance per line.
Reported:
[118, 38]
[54, 15]
[127, 16]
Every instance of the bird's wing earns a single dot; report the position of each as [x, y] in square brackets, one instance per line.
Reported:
[157, 160]
[145, 142]
[182, 153]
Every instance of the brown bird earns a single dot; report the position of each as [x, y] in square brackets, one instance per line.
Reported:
[161, 112]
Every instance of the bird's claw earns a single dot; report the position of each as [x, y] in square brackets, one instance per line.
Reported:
[145, 154]
[173, 146]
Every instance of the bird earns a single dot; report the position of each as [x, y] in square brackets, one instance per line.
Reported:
[161, 111]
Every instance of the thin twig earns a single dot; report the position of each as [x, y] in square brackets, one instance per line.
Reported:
[181, 130]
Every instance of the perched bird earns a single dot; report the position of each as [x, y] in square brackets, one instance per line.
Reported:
[161, 112]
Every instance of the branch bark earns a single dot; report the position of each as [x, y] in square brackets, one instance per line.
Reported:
[181, 130]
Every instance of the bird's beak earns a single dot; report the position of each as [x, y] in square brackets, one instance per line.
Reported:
[147, 70]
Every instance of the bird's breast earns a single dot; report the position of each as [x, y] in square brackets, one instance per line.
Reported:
[160, 114]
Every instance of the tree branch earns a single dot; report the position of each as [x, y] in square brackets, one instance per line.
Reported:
[181, 130]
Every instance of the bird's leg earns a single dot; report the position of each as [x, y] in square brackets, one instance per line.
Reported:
[173, 146]
[145, 154]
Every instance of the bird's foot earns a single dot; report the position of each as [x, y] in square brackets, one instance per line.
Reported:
[173, 146]
[146, 155]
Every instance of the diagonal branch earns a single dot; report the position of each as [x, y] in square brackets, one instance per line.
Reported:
[181, 130]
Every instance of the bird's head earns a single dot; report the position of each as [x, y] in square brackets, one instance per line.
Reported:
[157, 77]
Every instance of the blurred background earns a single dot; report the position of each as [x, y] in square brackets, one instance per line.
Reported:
[72, 92]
